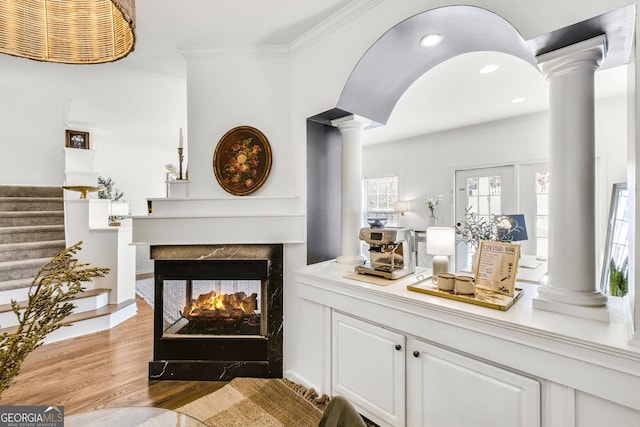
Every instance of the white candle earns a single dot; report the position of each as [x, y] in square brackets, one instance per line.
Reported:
[180, 145]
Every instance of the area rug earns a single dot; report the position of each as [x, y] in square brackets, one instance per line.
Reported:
[258, 402]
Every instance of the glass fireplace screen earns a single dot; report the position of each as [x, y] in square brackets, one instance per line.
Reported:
[213, 307]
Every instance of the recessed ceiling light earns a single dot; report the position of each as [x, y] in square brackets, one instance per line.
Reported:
[430, 40]
[490, 68]
[518, 100]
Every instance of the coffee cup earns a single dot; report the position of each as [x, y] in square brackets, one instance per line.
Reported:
[445, 281]
[465, 285]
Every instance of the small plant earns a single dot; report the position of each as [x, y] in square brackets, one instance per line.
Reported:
[109, 192]
[618, 278]
[432, 202]
[474, 228]
[55, 284]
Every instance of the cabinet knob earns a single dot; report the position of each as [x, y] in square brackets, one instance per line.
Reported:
[398, 347]
[416, 353]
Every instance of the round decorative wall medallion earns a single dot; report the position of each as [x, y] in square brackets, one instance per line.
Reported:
[242, 160]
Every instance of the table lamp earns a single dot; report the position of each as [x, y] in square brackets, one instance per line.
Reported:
[441, 242]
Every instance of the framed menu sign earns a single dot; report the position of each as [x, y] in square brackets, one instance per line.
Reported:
[497, 266]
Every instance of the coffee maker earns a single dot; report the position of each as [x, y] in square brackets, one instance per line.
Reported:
[391, 252]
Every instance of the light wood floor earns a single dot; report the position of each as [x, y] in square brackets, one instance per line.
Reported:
[104, 369]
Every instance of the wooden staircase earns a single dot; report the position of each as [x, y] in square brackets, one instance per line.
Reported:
[32, 231]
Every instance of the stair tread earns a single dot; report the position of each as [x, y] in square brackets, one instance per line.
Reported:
[31, 228]
[21, 190]
[24, 263]
[89, 293]
[12, 214]
[29, 198]
[15, 284]
[31, 245]
[85, 315]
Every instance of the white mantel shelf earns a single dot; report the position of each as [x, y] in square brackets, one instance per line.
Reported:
[584, 354]
[252, 220]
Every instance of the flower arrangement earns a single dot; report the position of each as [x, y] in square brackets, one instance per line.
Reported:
[109, 192]
[475, 228]
[172, 169]
[432, 202]
[241, 166]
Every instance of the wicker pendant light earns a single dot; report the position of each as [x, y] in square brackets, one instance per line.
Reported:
[67, 31]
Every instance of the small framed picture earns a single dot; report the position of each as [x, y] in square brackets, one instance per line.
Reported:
[77, 139]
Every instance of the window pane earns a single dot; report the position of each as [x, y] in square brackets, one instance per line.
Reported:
[495, 186]
[495, 205]
[472, 187]
[483, 185]
[472, 204]
[542, 226]
[542, 204]
[542, 245]
[483, 205]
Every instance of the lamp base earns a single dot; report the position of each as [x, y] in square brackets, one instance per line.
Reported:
[439, 264]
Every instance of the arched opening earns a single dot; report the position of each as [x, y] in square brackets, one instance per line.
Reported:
[396, 61]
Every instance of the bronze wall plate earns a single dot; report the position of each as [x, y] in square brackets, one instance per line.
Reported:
[242, 160]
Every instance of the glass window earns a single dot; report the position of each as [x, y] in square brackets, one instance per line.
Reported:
[382, 193]
[542, 214]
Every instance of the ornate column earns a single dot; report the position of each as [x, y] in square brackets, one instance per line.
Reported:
[572, 286]
[351, 129]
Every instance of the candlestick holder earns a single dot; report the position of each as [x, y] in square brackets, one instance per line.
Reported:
[180, 159]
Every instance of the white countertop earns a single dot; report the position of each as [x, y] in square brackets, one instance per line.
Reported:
[613, 335]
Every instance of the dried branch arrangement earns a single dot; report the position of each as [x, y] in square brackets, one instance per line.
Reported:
[55, 284]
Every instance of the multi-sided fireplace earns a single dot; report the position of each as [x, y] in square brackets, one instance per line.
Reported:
[217, 312]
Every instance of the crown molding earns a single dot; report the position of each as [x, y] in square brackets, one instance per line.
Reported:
[207, 52]
[333, 23]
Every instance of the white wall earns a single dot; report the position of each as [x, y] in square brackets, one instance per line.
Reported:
[133, 118]
[225, 92]
[31, 136]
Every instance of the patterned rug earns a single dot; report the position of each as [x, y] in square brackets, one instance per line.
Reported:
[259, 402]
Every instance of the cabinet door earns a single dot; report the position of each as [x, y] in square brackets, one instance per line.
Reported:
[448, 389]
[368, 368]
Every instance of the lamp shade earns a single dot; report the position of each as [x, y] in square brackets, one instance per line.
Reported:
[441, 240]
[68, 31]
[401, 206]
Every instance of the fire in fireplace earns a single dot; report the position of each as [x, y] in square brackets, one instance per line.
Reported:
[218, 312]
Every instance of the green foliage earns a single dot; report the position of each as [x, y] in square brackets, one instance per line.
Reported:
[55, 284]
[475, 228]
[618, 279]
[109, 192]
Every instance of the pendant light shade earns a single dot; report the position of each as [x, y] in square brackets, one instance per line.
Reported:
[68, 31]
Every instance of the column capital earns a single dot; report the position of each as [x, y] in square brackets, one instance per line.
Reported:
[352, 121]
[587, 54]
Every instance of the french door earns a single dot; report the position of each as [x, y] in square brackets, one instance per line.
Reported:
[484, 191]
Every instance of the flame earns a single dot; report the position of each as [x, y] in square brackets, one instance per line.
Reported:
[223, 303]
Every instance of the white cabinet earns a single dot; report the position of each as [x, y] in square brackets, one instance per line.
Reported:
[447, 389]
[368, 368]
[475, 365]
[387, 374]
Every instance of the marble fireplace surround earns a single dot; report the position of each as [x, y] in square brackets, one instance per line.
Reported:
[208, 357]
[193, 229]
